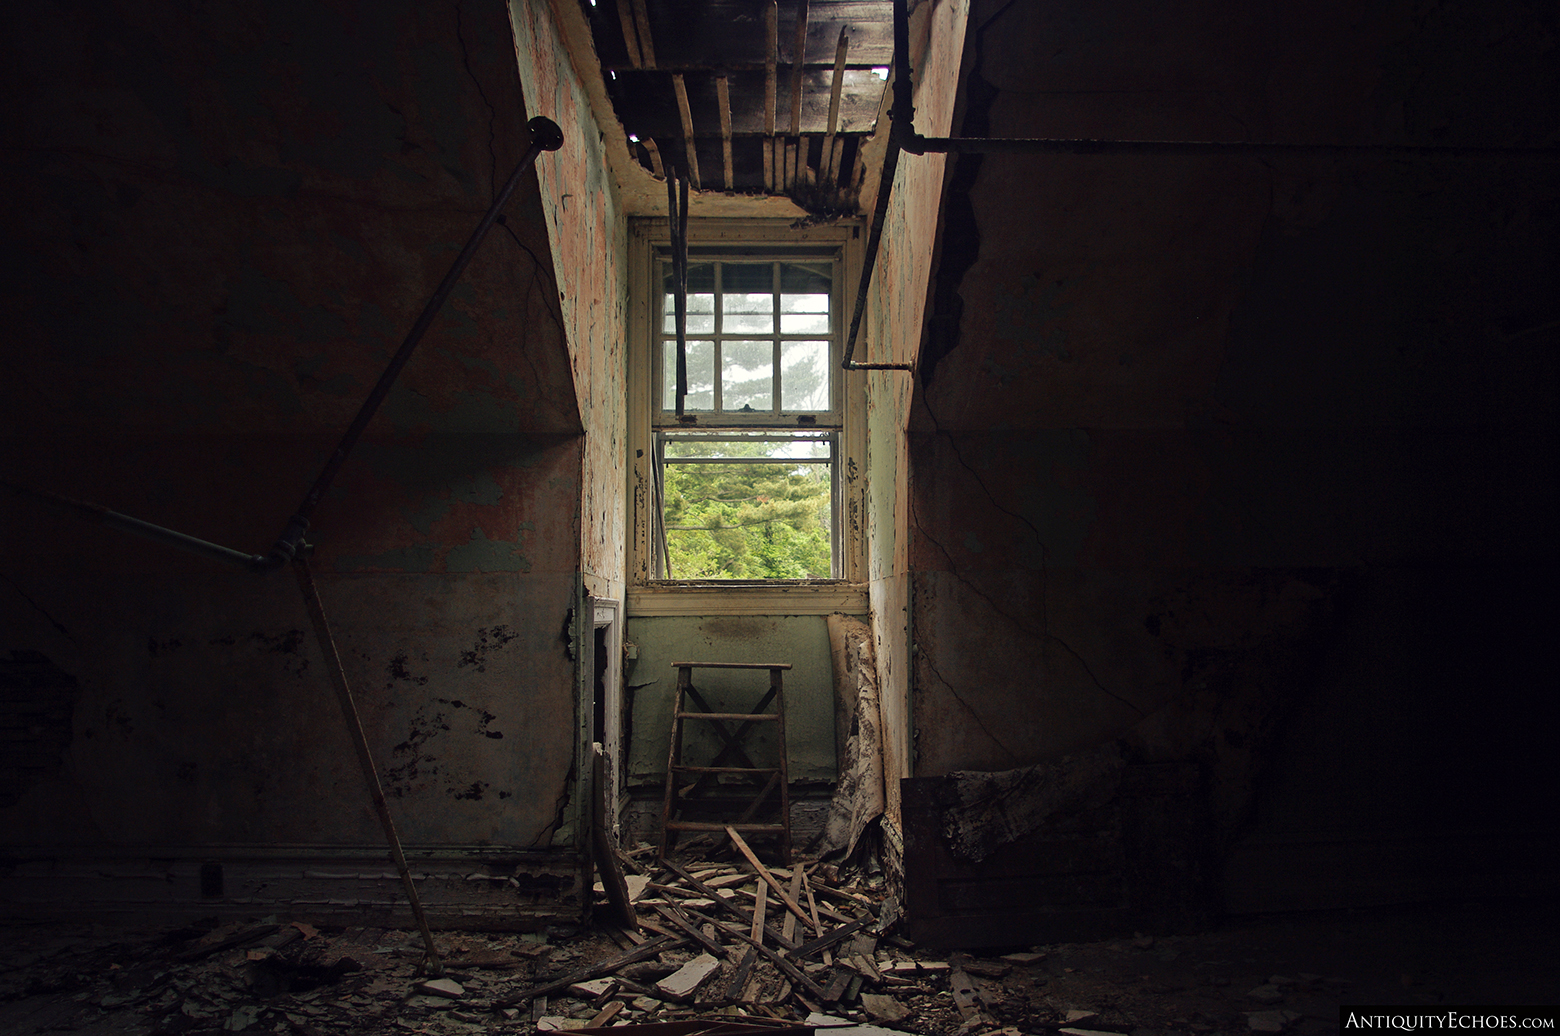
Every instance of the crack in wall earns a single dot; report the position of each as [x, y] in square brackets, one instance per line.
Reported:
[1043, 633]
[39, 609]
[979, 722]
[560, 807]
[465, 60]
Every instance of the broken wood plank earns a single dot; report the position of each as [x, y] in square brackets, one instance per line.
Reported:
[790, 919]
[864, 966]
[607, 866]
[771, 52]
[760, 905]
[605, 1015]
[681, 90]
[723, 94]
[791, 971]
[812, 903]
[830, 938]
[726, 904]
[630, 35]
[798, 60]
[595, 970]
[965, 995]
[739, 979]
[790, 903]
[681, 921]
[642, 23]
[826, 162]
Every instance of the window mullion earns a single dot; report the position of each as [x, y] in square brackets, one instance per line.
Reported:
[774, 371]
[717, 399]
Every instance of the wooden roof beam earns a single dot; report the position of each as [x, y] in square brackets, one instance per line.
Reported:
[646, 47]
[687, 129]
[772, 45]
[798, 60]
[723, 93]
[826, 162]
[630, 35]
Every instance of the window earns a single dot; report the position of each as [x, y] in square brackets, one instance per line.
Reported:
[751, 481]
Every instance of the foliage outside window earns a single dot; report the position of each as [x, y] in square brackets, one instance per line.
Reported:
[746, 480]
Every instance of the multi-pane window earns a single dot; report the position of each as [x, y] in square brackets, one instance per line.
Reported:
[760, 339]
[747, 476]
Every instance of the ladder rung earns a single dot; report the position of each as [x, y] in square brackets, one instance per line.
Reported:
[726, 769]
[728, 715]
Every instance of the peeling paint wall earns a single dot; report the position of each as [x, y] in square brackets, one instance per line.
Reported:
[589, 232]
[801, 640]
[892, 334]
[220, 223]
[1234, 461]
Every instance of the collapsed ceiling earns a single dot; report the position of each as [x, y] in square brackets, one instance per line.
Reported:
[771, 98]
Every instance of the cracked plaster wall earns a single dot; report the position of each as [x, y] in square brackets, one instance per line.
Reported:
[1238, 461]
[891, 334]
[219, 224]
[590, 261]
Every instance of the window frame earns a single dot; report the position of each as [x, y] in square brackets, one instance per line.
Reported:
[744, 240]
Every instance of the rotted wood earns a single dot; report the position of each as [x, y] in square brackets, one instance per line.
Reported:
[755, 921]
[642, 23]
[590, 971]
[826, 164]
[791, 971]
[607, 864]
[723, 93]
[630, 34]
[798, 63]
[763, 872]
[681, 90]
[771, 57]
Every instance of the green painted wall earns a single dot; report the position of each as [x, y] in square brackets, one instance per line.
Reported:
[802, 640]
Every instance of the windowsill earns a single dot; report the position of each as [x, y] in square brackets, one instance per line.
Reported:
[770, 597]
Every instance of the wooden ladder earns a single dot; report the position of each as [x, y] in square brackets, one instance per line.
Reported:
[733, 751]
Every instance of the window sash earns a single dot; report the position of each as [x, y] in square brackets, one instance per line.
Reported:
[713, 339]
[658, 534]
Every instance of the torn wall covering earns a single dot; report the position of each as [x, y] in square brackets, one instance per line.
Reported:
[221, 222]
[589, 237]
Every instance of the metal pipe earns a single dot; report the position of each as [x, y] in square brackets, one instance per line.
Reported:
[899, 127]
[349, 712]
[919, 145]
[113, 519]
[903, 137]
[545, 136]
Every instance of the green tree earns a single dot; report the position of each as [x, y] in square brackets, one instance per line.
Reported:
[765, 520]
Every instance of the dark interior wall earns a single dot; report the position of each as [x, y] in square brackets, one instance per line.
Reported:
[1249, 462]
[219, 222]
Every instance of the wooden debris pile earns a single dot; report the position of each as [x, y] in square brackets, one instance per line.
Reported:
[776, 942]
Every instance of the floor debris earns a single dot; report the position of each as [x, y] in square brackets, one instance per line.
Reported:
[719, 940]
